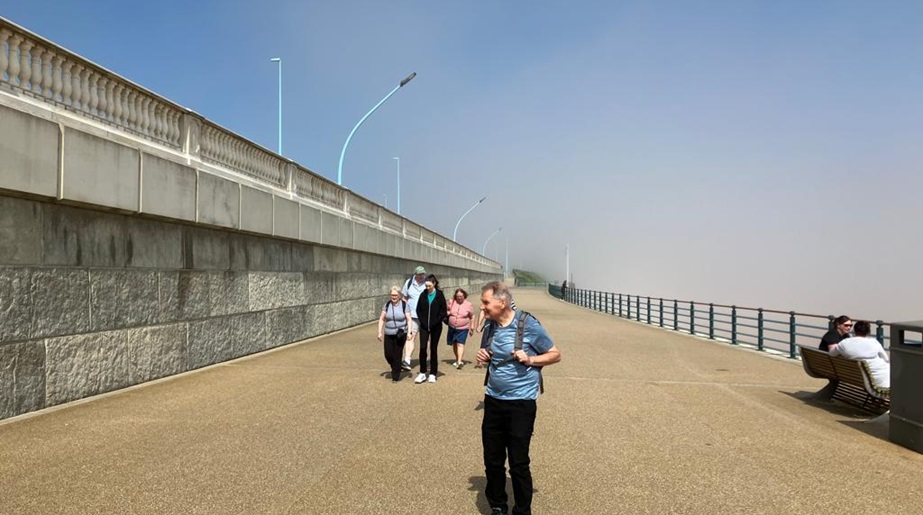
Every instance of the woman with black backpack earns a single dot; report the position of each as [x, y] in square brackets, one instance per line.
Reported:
[431, 312]
[392, 329]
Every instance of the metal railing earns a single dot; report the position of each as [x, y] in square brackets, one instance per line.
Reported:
[764, 329]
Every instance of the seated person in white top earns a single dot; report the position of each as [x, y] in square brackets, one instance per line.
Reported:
[868, 349]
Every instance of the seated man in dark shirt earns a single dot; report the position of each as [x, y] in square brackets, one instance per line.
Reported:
[841, 327]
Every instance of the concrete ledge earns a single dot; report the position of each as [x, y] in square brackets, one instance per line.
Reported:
[100, 172]
[218, 201]
[168, 189]
[29, 147]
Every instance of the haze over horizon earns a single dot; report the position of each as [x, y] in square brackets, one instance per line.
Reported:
[757, 153]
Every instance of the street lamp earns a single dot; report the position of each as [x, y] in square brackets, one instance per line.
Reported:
[398, 184]
[343, 152]
[483, 250]
[279, 60]
[455, 233]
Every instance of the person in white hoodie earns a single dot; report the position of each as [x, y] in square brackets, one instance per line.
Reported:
[868, 349]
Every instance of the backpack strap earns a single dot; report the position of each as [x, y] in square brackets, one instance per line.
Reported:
[520, 331]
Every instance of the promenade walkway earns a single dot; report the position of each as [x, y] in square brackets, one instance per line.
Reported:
[634, 420]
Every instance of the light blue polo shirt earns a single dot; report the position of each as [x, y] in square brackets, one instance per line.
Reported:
[513, 380]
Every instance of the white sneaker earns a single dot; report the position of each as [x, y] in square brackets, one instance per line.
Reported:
[420, 378]
[432, 378]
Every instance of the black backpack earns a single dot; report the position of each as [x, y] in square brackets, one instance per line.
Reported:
[520, 329]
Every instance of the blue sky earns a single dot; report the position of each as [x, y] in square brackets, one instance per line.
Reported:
[764, 153]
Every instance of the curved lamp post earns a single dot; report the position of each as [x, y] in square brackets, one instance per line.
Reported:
[483, 250]
[470, 209]
[343, 153]
[279, 60]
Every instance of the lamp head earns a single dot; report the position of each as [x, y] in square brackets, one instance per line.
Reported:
[408, 79]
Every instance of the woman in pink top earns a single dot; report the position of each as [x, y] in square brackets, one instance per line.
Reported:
[461, 317]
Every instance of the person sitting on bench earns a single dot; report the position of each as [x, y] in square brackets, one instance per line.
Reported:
[868, 349]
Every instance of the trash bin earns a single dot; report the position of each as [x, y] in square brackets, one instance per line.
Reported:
[906, 420]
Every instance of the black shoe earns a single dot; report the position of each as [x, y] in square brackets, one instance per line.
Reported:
[497, 511]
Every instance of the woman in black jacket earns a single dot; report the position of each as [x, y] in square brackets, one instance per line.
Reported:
[431, 311]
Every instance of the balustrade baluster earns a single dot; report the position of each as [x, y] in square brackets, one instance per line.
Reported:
[118, 104]
[93, 86]
[14, 59]
[638, 308]
[57, 80]
[67, 97]
[146, 116]
[105, 101]
[134, 108]
[37, 75]
[48, 65]
[791, 334]
[85, 88]
[4, 59]
[76, 86]
[648, 310]
[661, 311]
[25, 65]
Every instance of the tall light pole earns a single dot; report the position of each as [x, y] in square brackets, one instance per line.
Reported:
[484, 249]
[398, 184]
[567, 261]
[507, 265]
[455, 233]
[386, 201]
[279, 60]
[343, 153]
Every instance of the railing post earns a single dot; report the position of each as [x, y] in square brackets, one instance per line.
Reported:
[661, 311]
[675, 315]
[691, 317]
[711, 321]
[648, 310]
[791, 334]
[628, 308]
[734, 325]
[638, 308]
[830, 325]
[759, 329]
[880, 331]
[620, 304]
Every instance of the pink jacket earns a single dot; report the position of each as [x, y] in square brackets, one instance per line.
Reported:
[460, 315]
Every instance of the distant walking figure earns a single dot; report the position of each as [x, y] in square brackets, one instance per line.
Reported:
[431, 311]
[461, 318]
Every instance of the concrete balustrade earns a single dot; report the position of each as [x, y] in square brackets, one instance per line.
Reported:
[139, 240]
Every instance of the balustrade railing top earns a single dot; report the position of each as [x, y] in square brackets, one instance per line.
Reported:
[34, 67]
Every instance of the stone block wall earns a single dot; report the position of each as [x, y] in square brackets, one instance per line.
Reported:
[94, 301]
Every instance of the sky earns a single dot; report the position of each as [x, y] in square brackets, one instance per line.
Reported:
[758, 153]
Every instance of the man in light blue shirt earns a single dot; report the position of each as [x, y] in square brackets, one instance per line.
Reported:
[411, 291]
[509, 403]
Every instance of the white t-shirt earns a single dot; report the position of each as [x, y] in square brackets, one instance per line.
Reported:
[412, 291]
[869, 350]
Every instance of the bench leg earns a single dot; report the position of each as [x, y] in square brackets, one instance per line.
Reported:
[826, 393]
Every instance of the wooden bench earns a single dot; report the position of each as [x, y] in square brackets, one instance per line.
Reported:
[856, 385]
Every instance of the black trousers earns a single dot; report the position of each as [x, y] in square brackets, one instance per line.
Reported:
[431, 336]
[506, 432]
[394, 353]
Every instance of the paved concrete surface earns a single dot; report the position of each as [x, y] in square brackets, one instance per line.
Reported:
[634, 420]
